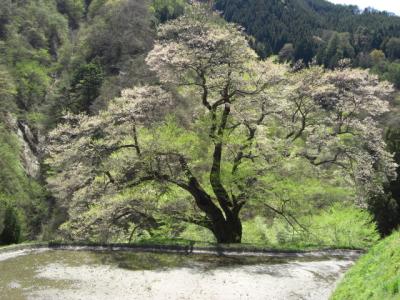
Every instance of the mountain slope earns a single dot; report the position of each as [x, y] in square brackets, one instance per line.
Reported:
[305, 22]
[58, 55]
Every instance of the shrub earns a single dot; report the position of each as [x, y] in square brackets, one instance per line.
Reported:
[338, 227]
[343, 227]
[11, 227]
[197, 233]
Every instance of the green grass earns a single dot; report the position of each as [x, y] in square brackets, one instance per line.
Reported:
[376, 275]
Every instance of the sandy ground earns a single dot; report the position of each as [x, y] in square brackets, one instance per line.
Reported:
[294, 280]
[13, 254]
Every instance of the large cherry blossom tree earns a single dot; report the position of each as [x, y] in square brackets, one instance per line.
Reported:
[218, 123]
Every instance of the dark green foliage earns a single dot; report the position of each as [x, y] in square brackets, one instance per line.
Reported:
[315, 28]
[332, 52]
[386, 207]
[304, 51]
[392, 48]
[338, 48]
[393, 74]
[5, 15]
[386, 69]
[41, 25]
[165, 10]
[11, 228]
[319, 29]
[386, 210]
[74, 9]
[86, 85]
[117, 31]
[47, 45]
[275, 24]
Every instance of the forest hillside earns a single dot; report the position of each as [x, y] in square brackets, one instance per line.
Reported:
[321, 31]
[129, 120]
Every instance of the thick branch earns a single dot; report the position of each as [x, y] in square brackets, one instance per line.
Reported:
[204, 96]
[203, 221]
[334, 160]
[240, 155]
[135, 138]
[303, 114]
[193, 186]
[215, 173]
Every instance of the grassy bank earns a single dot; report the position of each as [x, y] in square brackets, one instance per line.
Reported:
[376, 275]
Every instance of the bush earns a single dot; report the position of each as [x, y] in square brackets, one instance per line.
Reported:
[343, 227]
[197, 233]
[256, 231]
[165, 10]
[32, 84]
[11, 228]
[17, 189]
[337, 227]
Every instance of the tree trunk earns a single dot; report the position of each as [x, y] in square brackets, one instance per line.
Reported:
[228, 231]
[225, 224]
[226, 228]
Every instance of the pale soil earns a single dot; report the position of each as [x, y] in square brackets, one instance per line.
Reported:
[276, 281]
[13, 254]
[311, 280]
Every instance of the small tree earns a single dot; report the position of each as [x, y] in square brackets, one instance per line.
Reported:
[235, 119]
[377, 56]
[286, 53]
[392, 48]
[11, 228]
[86, 86]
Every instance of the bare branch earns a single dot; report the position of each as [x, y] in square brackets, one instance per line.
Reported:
[290, 219]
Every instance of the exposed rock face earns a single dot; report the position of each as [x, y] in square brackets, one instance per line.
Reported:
[29, 146]
[29, 150]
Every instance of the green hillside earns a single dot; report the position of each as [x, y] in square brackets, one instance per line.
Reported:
[319, 31]
[376, 275]
[301, 22]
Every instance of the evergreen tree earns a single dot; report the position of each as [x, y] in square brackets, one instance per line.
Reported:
[392, 48]
[11, 228]
[86, 86]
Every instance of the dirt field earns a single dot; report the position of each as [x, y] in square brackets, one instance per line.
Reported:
[89, 275]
